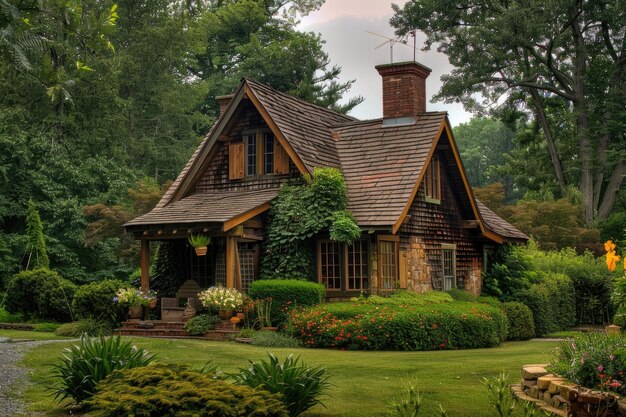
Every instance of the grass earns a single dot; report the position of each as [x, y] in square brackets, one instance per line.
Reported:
[29, 335]
[363, 382]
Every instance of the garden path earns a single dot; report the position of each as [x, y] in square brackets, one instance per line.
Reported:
[12, 374]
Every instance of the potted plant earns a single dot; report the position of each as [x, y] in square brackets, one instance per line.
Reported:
[200, 243]
[224, 300]
[135, 300]
[263, 312]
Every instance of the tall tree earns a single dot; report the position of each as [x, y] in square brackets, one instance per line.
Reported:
[571, 50]
[36, 245]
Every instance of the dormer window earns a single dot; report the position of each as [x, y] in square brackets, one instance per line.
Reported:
[432, 181]
[258, 153]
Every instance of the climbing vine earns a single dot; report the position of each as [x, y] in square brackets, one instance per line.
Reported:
[303, 208]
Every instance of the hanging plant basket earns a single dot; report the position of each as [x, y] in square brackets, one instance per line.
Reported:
[201, 250]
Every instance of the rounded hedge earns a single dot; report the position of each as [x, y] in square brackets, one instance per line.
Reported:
[40, 294]
[199, 325]
[286, 294]
[520, 318]
[363, 326]
[176, 391]
[95, 301]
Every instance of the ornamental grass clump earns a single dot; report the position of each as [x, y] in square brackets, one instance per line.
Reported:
[82, 366]
[593, 360]
[300, 385]
[220, 298]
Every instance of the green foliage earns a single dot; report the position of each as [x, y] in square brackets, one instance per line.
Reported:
[301, 210]
[6, 317]
[286, 294]
[199, 325]
[499, 394]
[344, 228]
[592, 360]
[46, 327]
[169, 267]
[199, 240]
[461, 295]
[89, 327]
[95, 300]
[520, 318]
[274, 339]
[300, 385]
[612, 228]
[177, 391]
[36, 245]
[399, 323]
[40, 294]
[82, 366]
[552, 303]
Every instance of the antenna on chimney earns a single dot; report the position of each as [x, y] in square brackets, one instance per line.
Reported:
[392, 41]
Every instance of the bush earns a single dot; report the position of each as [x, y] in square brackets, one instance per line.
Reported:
[46, 327]
[399, 325]
[274, 339]
[300, 385]
[176, 391]
[201, 324]
[461, 295]
[286, 294]
[90, 327]
[95, 301]
[40, 294]
[6, 317]
[83, 366]
[520, 318]
[551, 301]
[593, 360]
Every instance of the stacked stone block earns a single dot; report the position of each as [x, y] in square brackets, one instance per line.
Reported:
[539, 384]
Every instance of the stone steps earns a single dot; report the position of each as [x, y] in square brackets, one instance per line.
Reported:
[172, 330]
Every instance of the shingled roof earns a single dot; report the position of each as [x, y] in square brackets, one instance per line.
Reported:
[381, 164]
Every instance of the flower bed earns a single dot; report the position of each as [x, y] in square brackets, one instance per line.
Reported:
[399, 323]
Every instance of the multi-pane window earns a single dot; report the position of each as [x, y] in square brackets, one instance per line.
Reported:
[268, 153]
[247, 264]
[388, 264]
[251, 154]
[329, 264]
[357, 273]
[449, 267]
[432, 180]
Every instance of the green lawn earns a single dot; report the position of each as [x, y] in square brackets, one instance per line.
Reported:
[362, 381]
[29, 335]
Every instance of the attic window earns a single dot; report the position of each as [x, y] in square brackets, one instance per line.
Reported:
[432, 181]
[260, 153]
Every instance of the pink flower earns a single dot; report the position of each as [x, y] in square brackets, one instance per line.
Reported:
[600, 368]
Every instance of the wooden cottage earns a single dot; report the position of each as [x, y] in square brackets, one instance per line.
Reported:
[422, 227]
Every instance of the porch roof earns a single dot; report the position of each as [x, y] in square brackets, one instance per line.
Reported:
[498, 225]
[217, 207]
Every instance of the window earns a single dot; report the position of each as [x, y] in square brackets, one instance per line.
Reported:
[432, 182]
[357, 271]
[343, 267]
[251, 154]
[248, 264]
[388, 262]
[329, 264]
[268, 153]
[449, 266]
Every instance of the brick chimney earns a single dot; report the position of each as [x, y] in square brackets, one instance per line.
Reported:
[404, 89]
[224, 101]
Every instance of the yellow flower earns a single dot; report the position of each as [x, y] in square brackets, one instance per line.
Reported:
[609, 246]
[611, 260]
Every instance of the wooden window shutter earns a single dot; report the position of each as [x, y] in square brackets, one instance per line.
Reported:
[403, 273]
[281, 159]
[236, 161]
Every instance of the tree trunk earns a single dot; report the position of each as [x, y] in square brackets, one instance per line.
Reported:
[612, 188]
[554, 156]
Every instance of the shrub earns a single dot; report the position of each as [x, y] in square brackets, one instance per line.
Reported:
[177, 391]
[300, 385]
[520, 319]
[95, 301]
[40, 294]
[461, 295]
[6, 317]
[90, 327]
[201, 324]
[46, 327]
[551, 301]
[399, 325]
[275, 339]
[592, 360]
[83, 366]
[286, 294]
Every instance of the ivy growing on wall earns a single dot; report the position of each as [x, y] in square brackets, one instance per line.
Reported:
[302, 209]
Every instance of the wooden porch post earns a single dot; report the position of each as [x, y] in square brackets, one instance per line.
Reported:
[231, 247]
[145, 265]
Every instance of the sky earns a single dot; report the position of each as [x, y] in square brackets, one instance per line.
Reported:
[343, 24]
